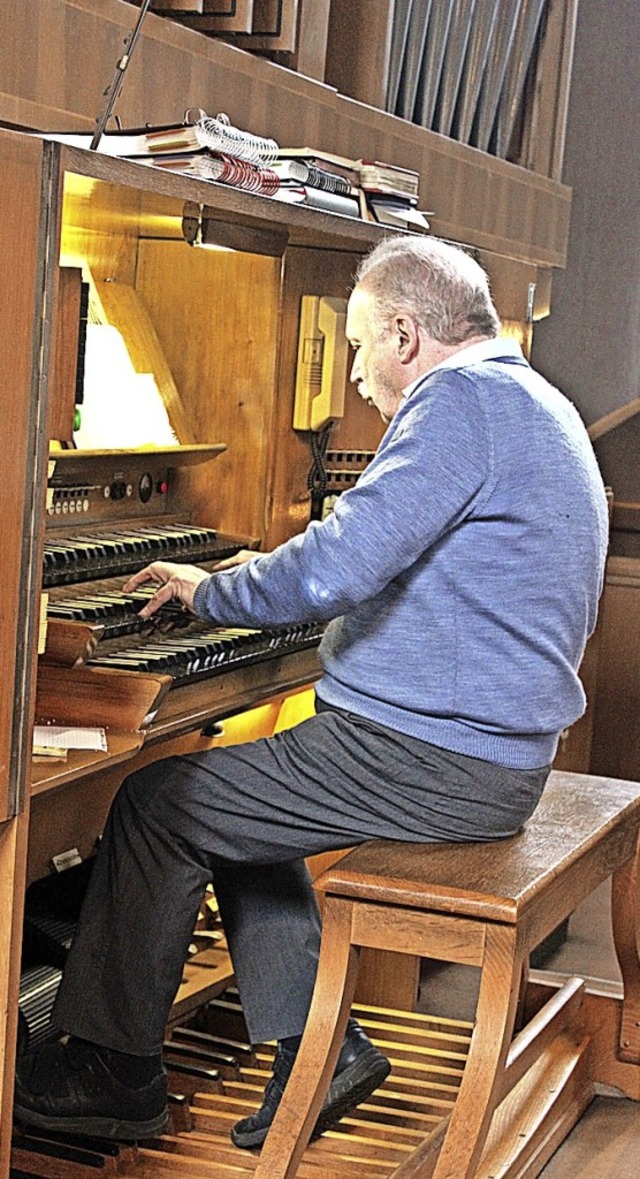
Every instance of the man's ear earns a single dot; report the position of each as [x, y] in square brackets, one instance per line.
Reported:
[407, 337]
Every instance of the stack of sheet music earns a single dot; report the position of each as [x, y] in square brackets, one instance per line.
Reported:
[201, 146]
[213, 149]
[370, 189]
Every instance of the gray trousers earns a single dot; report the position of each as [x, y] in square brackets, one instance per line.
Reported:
[244, 818]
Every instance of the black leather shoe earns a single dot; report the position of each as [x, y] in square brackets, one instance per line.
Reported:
[361, 1068]
[68, 1087]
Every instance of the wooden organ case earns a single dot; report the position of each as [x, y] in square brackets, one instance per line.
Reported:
[219, 331]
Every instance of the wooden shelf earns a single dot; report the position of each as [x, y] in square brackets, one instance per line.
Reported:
[47, 775]
[162, 197]
[176, 456]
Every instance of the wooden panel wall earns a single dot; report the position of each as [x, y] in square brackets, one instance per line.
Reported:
[616, 735]
[358, 48]
[21, 296]
[58, 56]
[22, 245]
[216, 314]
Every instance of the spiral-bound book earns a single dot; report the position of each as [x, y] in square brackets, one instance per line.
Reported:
[206, 132]
[304, 172]
[207, 165]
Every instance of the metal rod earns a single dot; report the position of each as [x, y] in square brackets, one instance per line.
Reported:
[112, 91]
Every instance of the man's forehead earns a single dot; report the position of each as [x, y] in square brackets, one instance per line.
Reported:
[359, 304]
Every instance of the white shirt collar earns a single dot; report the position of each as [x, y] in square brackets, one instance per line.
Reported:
[474, 354]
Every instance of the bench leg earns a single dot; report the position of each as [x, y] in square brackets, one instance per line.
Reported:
[625, 908]
[471, 1117]
[314, 1066]
[495, 1017]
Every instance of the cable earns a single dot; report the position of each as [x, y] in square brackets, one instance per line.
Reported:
[317, 478]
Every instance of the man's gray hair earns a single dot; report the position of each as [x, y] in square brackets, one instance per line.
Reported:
[441, 286]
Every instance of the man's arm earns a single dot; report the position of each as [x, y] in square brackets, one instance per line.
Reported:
[431, 471]
[431, 467]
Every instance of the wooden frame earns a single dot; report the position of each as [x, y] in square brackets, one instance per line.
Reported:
[239, 20]
[361, 73]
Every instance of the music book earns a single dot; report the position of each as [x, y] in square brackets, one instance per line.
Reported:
[207, 165]
[371, 175]
[204, 132]
[305, 172]
[378, 177]
[141, 142]
[331, 202]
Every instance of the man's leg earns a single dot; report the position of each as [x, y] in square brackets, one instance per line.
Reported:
[171, 830]
[329, 783]
[233, 815]
[272, 925]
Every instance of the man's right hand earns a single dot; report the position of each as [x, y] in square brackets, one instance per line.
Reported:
[239, 558]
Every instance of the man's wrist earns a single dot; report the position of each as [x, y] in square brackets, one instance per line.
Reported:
[200, 598]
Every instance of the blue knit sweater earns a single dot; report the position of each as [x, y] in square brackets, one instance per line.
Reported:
[461, 574]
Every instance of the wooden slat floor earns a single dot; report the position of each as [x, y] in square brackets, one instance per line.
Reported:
[428, 1055]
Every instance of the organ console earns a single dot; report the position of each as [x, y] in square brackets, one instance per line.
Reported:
[219, 331]
[107, 516]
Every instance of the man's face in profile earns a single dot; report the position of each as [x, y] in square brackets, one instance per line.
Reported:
[376, 370]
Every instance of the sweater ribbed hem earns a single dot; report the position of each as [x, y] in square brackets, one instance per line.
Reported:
[518, 751]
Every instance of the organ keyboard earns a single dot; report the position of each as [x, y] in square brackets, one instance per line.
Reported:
[92, 554]
[109, 514]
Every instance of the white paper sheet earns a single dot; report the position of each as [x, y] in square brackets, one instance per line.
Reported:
[70, 737]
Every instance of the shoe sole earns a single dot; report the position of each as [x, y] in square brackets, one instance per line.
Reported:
[353, 1085]
[98, 1127]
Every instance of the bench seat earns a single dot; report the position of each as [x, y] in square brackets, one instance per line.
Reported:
[536, 1051]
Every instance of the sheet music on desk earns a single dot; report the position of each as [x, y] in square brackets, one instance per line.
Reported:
[69, 737]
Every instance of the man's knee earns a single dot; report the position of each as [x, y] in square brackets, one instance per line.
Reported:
[149, 789]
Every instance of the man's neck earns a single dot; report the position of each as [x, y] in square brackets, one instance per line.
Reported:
[433, 352]
[439, 352]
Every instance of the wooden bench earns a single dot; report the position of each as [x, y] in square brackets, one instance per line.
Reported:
[487, 905]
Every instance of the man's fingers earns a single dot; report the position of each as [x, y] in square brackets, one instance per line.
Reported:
[137, 580]
[164, 594]
[149, 573]
[159, 571]
[239, 558]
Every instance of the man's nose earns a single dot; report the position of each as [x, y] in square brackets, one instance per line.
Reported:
[354, 375]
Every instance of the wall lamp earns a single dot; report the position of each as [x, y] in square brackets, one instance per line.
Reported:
[201, 226]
